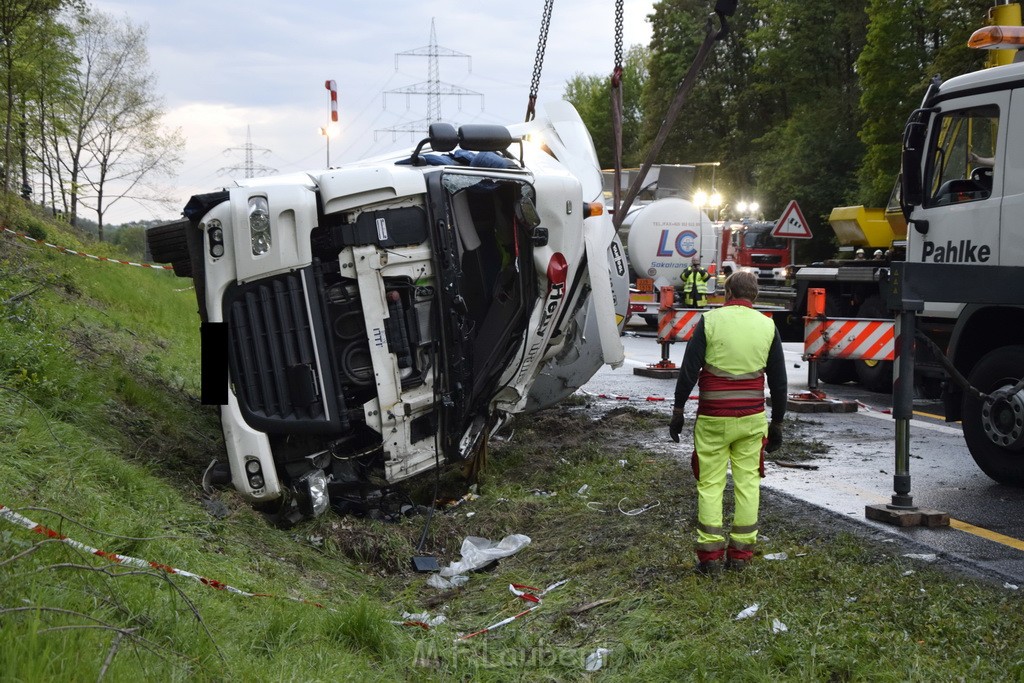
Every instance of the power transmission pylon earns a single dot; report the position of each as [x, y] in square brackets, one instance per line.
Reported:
[249, 168]
[433, 88]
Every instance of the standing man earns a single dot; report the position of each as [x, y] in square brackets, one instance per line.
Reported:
[728, 356]
[695, 284]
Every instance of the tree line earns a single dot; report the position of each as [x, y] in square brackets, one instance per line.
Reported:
[83, 124]
[805, 99]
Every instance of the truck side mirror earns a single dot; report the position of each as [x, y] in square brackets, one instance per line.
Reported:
[911, 190]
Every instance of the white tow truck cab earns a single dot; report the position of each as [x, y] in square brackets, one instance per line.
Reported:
[962, 191]
[366, 323]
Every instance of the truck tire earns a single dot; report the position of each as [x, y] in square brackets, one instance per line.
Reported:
[874, 375]
[995, 432]
[168, 243]
[835, 370]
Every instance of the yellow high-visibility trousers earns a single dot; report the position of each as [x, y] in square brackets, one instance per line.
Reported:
[719, 442]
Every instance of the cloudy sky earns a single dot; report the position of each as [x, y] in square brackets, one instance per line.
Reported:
[225, 67]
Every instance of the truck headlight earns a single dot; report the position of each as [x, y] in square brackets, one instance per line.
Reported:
[259, 225]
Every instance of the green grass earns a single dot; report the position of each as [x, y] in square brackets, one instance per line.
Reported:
[103, 440]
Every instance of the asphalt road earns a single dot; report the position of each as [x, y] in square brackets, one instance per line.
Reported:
[986, 535]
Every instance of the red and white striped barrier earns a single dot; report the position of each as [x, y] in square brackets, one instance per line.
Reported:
[849, 338]
[26, 523]
[677, 324]
[524, 593]
[65, 250]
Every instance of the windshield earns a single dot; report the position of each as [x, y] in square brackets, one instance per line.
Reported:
[762, 239]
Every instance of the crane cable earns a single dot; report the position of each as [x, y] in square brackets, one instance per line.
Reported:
[538, 62]
[616, 91]
[723, 9]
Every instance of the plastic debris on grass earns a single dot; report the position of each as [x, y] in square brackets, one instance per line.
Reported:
[778, 626]
[748, 612]
[595, 660]
[776, 556]
[437, 581]
[479, 552]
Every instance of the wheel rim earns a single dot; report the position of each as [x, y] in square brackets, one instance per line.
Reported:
[1003, 420]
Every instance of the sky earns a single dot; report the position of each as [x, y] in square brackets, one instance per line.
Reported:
[226, 69]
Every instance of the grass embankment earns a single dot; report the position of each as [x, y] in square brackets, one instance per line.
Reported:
[102, 439]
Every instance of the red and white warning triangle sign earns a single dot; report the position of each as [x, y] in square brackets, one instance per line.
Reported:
[792, 225]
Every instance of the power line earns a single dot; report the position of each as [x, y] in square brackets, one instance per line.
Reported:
[249, 168]
[433, 88]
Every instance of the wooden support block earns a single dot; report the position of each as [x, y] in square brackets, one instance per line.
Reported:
[657, 373]
[896, 517]
[912, 517]
[828, 405]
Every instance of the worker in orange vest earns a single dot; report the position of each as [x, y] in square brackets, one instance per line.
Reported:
[731, 351]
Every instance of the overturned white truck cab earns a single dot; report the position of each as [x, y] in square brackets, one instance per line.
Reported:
[367, 323]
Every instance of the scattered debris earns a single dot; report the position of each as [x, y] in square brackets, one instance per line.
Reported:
[478, 552]
[583, 490]
[776, 556]
[526, 611]
[907, 573]
[640, 510]
[1009, 586]
[778, 626]
[748, 612]
[595, 660]
[795, 465]
[422, 619]
[924, 557]
[439, 582]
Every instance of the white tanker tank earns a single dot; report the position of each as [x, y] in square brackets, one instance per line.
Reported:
[665, 235]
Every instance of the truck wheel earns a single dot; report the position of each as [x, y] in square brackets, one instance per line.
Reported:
[651, 320]
[169, 244]
[994, 431]
[874, 375]
[835, 370]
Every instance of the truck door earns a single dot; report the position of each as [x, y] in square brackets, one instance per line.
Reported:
[1011, 237]
[963, 182]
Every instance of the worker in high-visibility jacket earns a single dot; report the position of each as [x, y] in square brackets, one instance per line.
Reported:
[695, 284]
[731, 351]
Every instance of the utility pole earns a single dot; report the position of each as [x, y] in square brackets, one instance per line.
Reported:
[249, 168]
[433, 88]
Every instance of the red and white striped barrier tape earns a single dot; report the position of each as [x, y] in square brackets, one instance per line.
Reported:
[65, 250]
[26, 523]
[616, 397]
[523, 592]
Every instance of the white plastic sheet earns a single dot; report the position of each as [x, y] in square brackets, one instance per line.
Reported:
[478, 552]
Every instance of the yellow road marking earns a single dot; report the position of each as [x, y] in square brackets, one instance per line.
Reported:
[987, 534]
[934, 417]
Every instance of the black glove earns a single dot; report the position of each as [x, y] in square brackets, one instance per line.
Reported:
[774, 437]
[676, 425]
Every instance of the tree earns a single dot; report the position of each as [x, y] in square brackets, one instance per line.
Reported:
[114, 141]
[908, 35]
[22, 22]
[591, 95]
